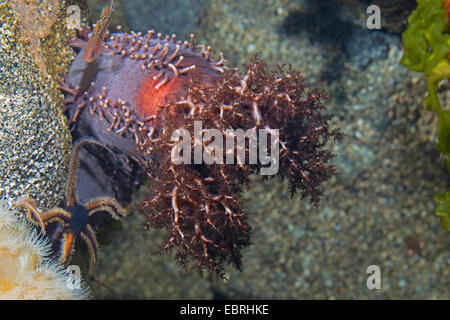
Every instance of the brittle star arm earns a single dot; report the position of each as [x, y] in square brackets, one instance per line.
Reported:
[88, 235]
[66, 250]
[56, 215]
[33, 213]
[72, 181]
[109, 205]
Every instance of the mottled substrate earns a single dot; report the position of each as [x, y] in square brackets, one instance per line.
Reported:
[394, 13]
[34, 140]
[388, 172]
[175, 16]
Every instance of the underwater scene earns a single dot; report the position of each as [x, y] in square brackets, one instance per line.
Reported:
[225, 149]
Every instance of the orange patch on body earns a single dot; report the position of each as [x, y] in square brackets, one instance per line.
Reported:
[149, 98]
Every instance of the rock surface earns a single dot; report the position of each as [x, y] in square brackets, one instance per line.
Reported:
[34, 140]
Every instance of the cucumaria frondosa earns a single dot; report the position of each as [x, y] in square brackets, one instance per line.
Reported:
[142, 88]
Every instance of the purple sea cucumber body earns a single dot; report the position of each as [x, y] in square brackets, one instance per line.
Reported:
[119, 96]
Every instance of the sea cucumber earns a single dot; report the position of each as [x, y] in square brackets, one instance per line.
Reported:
[118, 95]
[142, 88]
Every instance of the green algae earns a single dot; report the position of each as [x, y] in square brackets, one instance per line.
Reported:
[427, 50]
